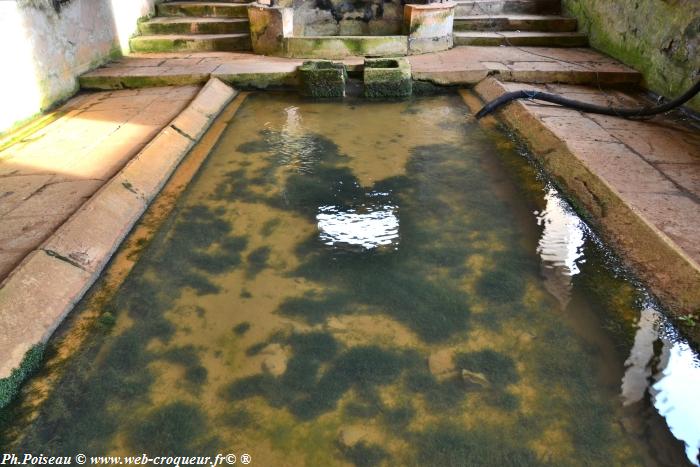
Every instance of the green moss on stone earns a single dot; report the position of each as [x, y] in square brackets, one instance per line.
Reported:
[387, 77]
[9, 387]
[322, 78]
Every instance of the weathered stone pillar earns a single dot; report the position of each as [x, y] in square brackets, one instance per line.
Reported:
[429, 26]
[269, 25]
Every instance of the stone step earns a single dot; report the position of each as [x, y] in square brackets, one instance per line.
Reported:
[190, 43]
[498, 7]
[521, 39]
[543, 23]
[203, 9]
[176, 25]
[337, 47]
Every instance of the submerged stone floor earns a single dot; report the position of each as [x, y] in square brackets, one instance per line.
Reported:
[48, 175]
[651, 166]
[458, 66]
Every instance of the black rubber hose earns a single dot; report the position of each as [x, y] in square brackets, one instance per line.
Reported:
[586, 107]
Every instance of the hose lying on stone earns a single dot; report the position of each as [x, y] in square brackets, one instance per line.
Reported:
[586, 107]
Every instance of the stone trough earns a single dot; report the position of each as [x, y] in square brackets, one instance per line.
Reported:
[322, 78]
[297, 32]
[387, 77]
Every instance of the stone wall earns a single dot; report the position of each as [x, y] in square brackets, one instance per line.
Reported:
[44, 48]
[660, 38]
[347, 17]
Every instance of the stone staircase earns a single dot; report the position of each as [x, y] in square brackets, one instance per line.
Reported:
[515, 22]
[195, 26]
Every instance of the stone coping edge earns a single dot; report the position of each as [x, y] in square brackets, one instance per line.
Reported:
[44, 288]
[669, 272]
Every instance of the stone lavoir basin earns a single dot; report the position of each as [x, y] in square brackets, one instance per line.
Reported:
[336, 29]
[394, 286]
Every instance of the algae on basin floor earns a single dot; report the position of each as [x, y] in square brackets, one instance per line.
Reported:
[357, 283]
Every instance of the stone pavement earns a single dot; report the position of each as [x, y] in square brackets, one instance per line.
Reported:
[471, 65]
[48, 175]
[639, 179]
[458, 66]
[44, 288]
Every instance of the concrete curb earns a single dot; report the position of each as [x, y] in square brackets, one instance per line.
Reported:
[669, 271]
[44, 288]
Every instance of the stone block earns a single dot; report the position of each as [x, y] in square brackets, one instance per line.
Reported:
[387, 77]
[337, 47]
[34, 299]
[94, 232]
[269, 25]
[429, 27]
[322, 78]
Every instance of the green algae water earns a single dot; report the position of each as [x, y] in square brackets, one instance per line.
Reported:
[373, 284]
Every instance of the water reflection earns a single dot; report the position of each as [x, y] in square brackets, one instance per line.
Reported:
[660, 368]
[367, 227]
[292, 146]
[667, 369]
[560, 246]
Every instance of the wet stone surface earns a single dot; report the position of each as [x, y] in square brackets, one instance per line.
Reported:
[389, 286]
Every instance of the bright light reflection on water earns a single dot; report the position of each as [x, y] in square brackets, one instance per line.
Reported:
[368, 227]
[675, 390]
[561, 245]
[659, 364]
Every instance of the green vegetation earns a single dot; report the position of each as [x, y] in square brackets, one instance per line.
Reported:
[257, 260]
[439, 396]
[241, 328]
[453, 446]
[689, 320]
[387, 78]
[364, 455]
[171, 430]
[498, 368]
[113, 368]
[9, 387]
[307, 391]
[322, 78]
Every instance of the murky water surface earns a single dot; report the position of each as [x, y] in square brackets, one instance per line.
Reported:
[374, 284]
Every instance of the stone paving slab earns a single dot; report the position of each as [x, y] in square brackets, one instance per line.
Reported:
[48, 175]
[638, 179]
[39, 293]
[28, 314]
[471, 65]
[458, 66]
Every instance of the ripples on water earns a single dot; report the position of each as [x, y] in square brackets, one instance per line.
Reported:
[368, 226]
[561, 245]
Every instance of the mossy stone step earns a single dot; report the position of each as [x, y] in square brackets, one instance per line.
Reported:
[174, 25]
[521, 39]
[497, 7]
[543, 23]
[335, 47]
[203, 9]
[190, 43]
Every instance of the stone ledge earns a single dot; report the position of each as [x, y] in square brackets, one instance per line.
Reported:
[338, 47]
[45, 287]
[615, 190]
